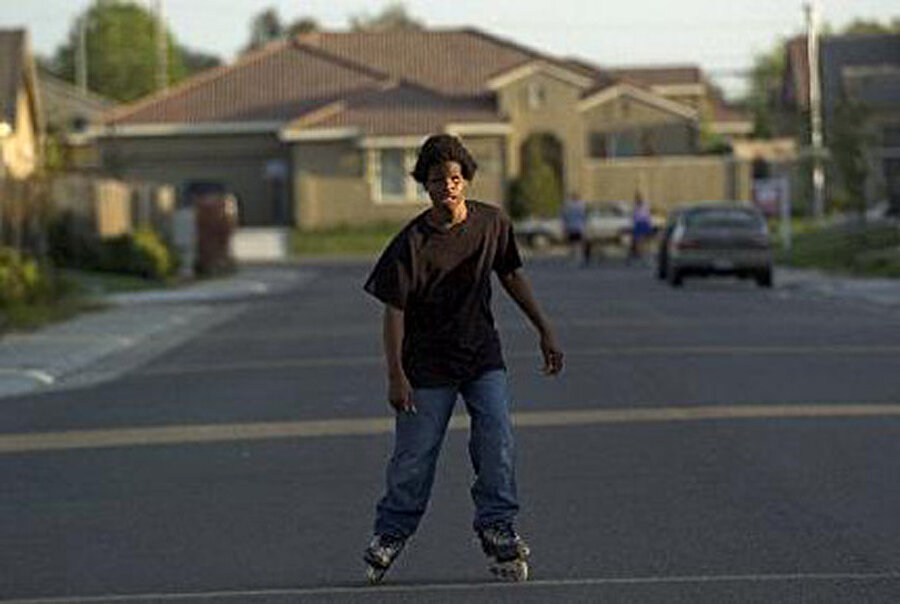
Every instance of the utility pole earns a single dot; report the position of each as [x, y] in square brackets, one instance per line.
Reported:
[162, 47]
[81, 62]
[815, 109]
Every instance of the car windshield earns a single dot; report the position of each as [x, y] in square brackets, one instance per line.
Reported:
[723, 219]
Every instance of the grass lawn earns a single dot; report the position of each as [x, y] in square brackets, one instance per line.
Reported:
[370, 239]
[873, 250]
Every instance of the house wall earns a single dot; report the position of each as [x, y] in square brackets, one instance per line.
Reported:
[668, 181]
[332, 186]
[20, 153]
[239, 162]
[672, 134]
[557, 115]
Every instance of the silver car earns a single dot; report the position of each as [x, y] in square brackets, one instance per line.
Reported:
[718, 239]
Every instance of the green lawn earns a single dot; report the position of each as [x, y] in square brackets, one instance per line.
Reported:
[870, 250]
[370, 239]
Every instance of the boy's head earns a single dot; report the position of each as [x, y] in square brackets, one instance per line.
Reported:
[440, 149]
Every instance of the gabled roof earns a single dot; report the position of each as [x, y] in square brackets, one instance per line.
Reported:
[660, 75]
[453, 62]
[617, 90]
[397, 109]
[438, 76]
[277, 83]
[12, 64]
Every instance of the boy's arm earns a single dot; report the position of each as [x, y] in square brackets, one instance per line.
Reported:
[519, 290]
[399, 388]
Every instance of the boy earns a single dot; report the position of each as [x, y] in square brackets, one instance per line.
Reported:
[440, 342]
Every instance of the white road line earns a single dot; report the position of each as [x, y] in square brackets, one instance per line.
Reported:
[255, 431]
[609, 351]
[480, 586]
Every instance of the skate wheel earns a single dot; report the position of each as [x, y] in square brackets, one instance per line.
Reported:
[516, 570]
[374, 575]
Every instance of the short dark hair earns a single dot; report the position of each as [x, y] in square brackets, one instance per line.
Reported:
[441, 148]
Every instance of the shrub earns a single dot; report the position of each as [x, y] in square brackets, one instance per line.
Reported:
[22, 280]
[143, 253]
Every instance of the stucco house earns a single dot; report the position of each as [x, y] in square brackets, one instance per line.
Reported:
[323, 128]
[687, 84]
[21, 124]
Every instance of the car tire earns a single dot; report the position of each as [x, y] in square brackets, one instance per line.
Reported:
[764, 278]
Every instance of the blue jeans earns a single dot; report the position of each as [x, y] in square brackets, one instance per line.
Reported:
[417, 443]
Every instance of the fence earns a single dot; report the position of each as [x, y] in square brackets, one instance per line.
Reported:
[94, 208]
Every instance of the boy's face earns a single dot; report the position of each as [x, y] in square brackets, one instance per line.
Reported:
[446, 186]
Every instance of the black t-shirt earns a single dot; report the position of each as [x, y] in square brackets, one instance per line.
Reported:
[441, 279]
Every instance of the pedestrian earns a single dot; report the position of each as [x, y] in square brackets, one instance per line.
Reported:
[641, 227]
[574, 217]
[440, 342]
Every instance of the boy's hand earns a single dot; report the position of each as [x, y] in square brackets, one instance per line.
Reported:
[400, 394]
[553, 355]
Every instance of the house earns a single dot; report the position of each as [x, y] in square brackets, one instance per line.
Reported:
[323, 128]
[865, 69]
[686, 84]
[21, 122]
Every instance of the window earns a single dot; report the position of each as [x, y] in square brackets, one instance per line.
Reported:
[624, 145]
[597, 145]
[393, 174]
[389, 176]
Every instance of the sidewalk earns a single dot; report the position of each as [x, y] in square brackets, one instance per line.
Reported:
[136, 327]
[883, 292]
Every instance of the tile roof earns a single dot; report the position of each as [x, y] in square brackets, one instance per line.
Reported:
[399, 109]
[660, 75]
[277, 83]
[452, 62]
[12, 49]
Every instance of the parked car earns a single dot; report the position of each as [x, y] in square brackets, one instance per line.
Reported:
[717, 238]
[605, 222]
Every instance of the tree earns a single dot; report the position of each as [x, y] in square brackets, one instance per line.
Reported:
[267, 27]
[121, 49]
[264, 28]
[392, 17]
[849, 142]
[303, 25]
[196, 61]
[863, 26]
[765, 84]
[538, 191]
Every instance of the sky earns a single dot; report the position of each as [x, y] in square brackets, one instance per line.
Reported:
[721, 36]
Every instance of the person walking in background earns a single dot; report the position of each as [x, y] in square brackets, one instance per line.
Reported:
[641, 227]
[440, 342]
[574, 217]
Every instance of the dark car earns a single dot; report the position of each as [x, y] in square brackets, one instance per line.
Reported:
[716, 239]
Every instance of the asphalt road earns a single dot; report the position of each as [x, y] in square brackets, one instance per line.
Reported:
[718, 443]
